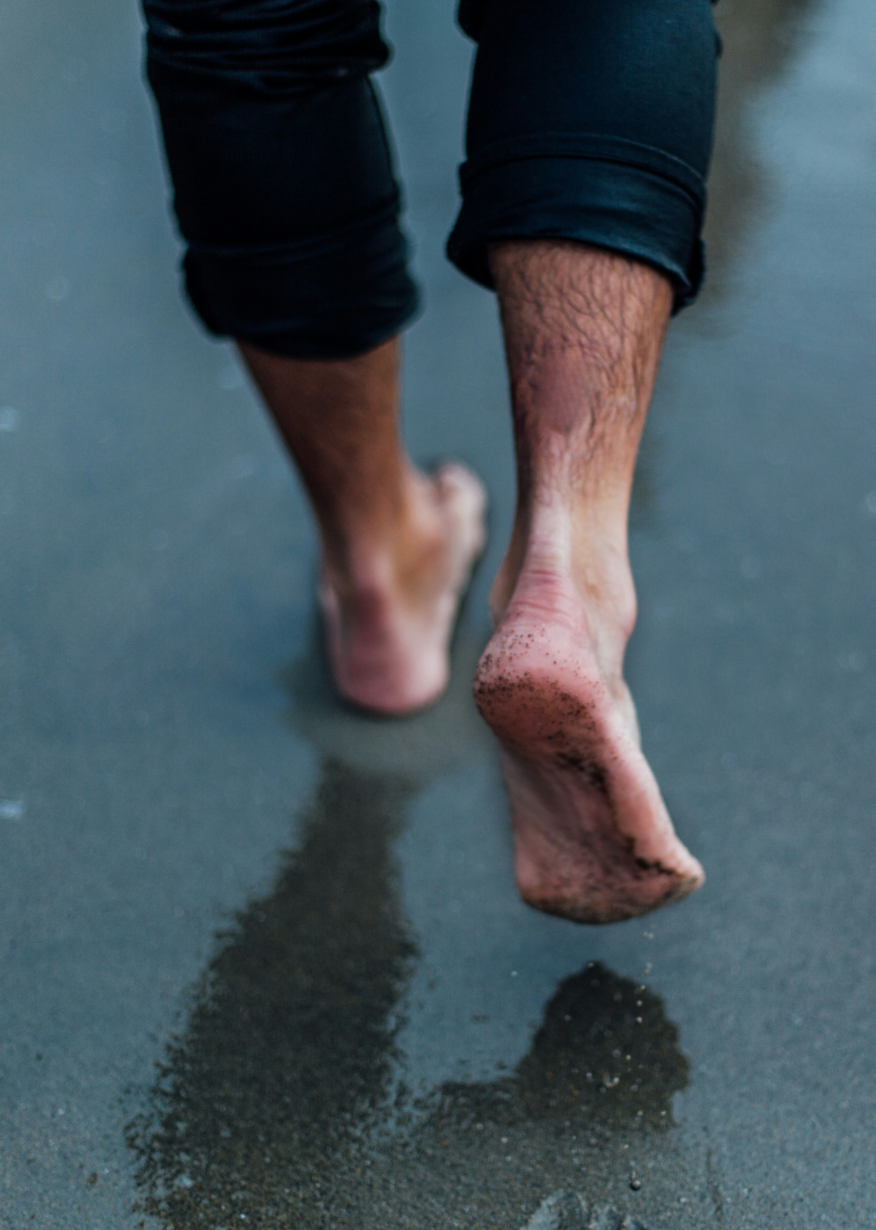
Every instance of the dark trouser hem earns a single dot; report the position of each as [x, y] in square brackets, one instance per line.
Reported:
[589, 120]
[285, 193]
[333, 296]
[630, 209]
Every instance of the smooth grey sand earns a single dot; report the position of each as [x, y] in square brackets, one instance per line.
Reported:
[261, 961]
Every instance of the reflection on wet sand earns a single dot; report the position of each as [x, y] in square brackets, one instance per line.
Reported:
[281, 1103]
[262, 1107]
[588, 1107]
[601, 1035]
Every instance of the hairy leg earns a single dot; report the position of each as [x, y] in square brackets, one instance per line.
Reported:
[583, 331]
[398, 545]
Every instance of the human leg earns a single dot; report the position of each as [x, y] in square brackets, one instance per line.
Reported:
[593, 840]
[583, 194]
[285, 194]
[397, 545]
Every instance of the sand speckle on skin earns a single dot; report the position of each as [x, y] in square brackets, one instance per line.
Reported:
[579, 863]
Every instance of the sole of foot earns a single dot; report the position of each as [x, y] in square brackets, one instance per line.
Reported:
[593, 839]
[389, 651]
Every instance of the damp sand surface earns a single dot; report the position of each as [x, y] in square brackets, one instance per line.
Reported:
[261, 960]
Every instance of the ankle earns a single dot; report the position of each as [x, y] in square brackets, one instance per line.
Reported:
[568, 564]
[386, 552]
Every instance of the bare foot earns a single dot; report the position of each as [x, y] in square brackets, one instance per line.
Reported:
[593, 839]
[390, 613]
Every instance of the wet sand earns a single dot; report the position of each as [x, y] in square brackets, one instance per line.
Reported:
[261, 960]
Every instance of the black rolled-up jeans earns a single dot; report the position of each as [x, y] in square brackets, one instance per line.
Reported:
[588, 120]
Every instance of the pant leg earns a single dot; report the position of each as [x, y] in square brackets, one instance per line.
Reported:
[589, 120]
[283, 177]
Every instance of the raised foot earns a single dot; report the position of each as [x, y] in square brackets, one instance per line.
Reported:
[388, 628]
[593, 840]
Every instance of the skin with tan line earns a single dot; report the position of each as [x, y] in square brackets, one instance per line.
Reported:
[583, 334]
[583, 331]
